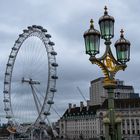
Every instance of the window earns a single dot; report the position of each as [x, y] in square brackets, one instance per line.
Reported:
[137, 121]
[123, 123]
[138, 131]
[133, 131]
[128, 131]
[132, 121]
[123, 131]
[127, 122]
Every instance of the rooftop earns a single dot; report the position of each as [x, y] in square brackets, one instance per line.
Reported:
[91, 110]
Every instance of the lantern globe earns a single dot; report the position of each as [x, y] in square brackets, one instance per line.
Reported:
[122, 49]
[106, 23]
[92, 40]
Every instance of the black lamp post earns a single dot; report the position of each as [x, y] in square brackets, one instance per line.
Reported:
[109, 65]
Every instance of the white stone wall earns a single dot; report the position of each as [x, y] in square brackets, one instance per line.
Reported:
[92, 126]
[131, 123]
[86, 127]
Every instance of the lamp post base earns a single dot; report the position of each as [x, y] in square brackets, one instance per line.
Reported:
[111, 122]
[109, 84]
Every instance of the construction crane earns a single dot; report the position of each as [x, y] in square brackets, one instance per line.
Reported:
[55, 111]
[81, 94]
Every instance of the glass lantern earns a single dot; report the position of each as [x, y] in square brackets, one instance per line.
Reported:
[106, 23]
[122, 49]
[92, 40]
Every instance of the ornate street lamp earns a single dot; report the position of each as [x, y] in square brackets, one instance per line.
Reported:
[109, 65]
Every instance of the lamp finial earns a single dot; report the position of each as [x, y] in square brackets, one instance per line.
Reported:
[105, 10]
[122, 33]
[91, 23]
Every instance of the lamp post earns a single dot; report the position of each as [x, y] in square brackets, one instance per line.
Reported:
[109, 65]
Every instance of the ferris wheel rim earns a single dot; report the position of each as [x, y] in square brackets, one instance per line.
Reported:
[39, 32]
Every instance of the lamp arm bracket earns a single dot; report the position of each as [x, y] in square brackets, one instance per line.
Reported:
[109, 66]
[105, 53]
[99, 63]
[108, 52]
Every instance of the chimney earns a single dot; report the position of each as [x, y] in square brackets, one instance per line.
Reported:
[74, 106]
[81, 105]
[88, 104]
[70, 105]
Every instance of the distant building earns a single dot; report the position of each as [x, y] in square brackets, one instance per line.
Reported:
[98, 94]
[87, 121]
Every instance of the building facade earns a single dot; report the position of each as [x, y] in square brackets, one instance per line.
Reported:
[86, 122]
[98, 94]
[79, 122]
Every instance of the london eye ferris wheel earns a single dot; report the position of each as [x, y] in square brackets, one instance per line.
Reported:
[30, 78]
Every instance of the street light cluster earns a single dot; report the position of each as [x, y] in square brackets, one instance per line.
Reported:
[92, 38]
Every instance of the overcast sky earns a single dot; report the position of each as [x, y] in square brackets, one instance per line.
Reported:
[66, 21]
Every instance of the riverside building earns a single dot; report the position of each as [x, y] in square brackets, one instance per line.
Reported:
[86, 121]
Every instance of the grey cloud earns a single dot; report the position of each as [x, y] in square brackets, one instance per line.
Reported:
[66, 21]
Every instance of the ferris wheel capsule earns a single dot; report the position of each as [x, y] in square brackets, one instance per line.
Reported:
[50, 102]
[48, 35]
[34, 26]
[5, 100]
[46, 113]
[54, 77]
[26, 31]
[44, 30]
[54, 64]
[53, 53]
[51, 43]
[30, 27]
